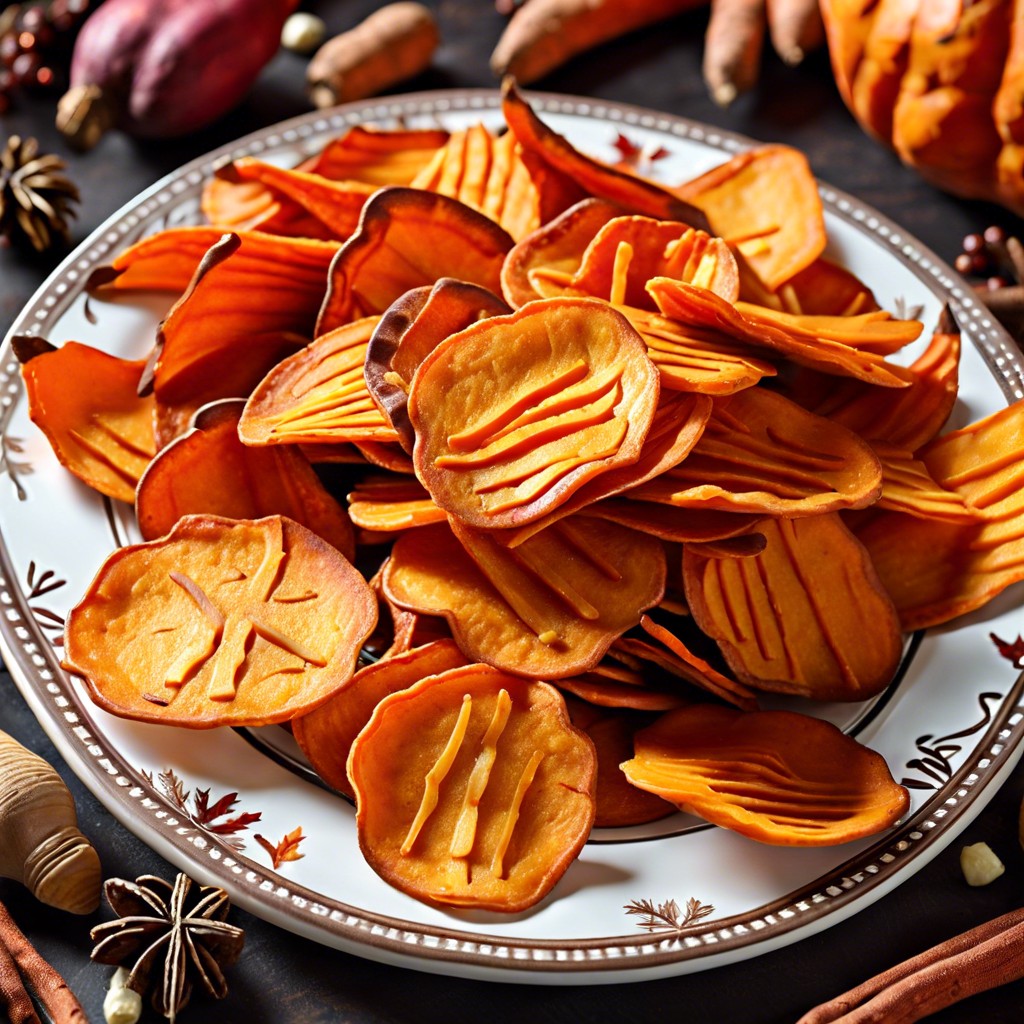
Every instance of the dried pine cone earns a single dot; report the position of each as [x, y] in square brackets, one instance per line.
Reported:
[36, 198]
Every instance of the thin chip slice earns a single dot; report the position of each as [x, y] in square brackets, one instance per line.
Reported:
[392, 503]
[473, 789]
[516, 413]
[210, 470]
[549, 609]
[671, 523]
[318, 396]
[325, 735]
[806, 616]
[221, 622]
[778, 777]
[408, 238]
[87, 404]
[762, 453]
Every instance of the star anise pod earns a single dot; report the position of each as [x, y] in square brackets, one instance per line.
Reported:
[37, 198]
[171, 933]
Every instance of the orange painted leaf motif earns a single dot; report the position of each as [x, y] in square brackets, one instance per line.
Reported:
[627, 252]
[778, 777]
[515, 413]
[210, 470]
[807, 616]
[103, 432]
[220, 622]
[498, 801]
[486, 172]
[317, 396]
[548, 609]
[285, 850]
[635, 194]
[409, 330]
[408, 238]
[907, 418]
[241, 314]
[765, 202]
[325, 735]
[700, 308]
[938, 570]
[760, 452]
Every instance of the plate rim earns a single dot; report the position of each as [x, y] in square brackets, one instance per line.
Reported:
[34, 665]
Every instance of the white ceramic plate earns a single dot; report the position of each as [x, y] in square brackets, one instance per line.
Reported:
[648, 903]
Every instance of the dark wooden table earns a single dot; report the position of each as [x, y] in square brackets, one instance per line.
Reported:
[287, 980]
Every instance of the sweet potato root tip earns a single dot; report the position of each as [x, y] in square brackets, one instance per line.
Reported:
[732, 48]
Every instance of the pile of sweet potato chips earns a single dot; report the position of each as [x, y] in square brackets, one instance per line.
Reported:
[612, 458]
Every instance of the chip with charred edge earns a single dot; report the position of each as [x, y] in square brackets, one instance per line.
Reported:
[611, 730]
[103, 432]
[515, 413]
[221, 622]
[210, 470]
[698, 307]
[762, 453]
[764, 202]
[326, 734]
[806, 616]
[473, 789]
[549, 609]
[635, 194]
[317, 396]
[778, 777]
[408, 331]
[407, 238]
[487, 172]
[938, 570]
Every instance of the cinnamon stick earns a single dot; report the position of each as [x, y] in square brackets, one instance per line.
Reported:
[15, 1001]
[984, 957]
[33, 973]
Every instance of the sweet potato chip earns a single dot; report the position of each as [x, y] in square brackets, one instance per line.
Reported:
[762, 453]
[515, 413]
[221, 622]
[210, 470]
[611, 730]
[938, 570]
[407, 238]
[409, 330]
[671, 523]
[765, 202]
[806, 616]
[317, 396]
[549, 609]
[775, 776]
[822, 288]
[241, 314]
[326, 734]
[908, 486]
[390, 504]
[698, 307]
[635, 194]
[379, 156]
[497, 801]
[103, 431]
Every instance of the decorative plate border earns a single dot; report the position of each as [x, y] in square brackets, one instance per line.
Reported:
[35, 667]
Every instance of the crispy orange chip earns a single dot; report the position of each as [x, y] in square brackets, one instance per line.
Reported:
[807, 615]
[103, 432]
[775, 776]
[325, 735]
[549, 609]
[515, 413]
[210, 470]
[496, 802]
[221, 622]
